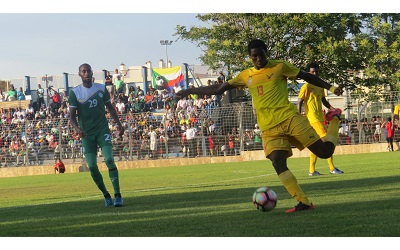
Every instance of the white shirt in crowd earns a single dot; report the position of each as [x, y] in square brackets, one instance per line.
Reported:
[190, 133]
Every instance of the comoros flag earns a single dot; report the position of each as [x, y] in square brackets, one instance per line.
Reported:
[169, 75]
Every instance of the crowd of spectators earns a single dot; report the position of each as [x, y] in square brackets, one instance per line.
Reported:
[352, 131]
[157, 125]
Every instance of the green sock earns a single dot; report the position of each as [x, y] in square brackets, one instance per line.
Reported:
[112, 168]
[95, 173]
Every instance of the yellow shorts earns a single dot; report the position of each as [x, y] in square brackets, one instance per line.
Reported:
[295, 131]
[320, 128]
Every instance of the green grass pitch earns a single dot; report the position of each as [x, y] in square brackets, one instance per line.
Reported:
[211, 200]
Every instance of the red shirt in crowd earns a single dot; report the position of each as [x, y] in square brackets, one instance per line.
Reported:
[390, 132]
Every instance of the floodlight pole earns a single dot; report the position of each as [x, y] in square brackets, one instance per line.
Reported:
[166, 43]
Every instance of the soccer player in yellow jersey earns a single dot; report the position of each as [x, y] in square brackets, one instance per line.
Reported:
[278, 119]
[396, 115]
[313, 97]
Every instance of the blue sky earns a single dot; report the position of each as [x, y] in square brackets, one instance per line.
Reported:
[105, 33]
[49, 43]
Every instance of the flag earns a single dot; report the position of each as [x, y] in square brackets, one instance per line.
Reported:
[169, 75]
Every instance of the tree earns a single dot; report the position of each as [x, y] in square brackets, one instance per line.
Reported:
[297, 38]
[379, 50]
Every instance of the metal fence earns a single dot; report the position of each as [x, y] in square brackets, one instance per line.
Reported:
[221, 131]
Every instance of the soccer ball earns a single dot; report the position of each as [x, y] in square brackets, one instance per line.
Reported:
[265, 199]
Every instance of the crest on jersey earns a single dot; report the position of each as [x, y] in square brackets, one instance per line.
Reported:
[101, 95]
[250, 80]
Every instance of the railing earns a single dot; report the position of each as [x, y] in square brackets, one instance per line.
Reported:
[221, 131]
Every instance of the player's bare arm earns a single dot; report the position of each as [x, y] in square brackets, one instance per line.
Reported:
[300, 104]
[218, 89]
[315, 80]
[74, 122]
[326, 103]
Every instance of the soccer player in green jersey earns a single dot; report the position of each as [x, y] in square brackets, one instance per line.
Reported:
[87, 103]
[278, 119]
[313, 97]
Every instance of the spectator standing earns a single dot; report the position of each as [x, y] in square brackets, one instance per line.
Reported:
[388, 125]
[109, 83]
[21, 153]
[40, 96]
[378, 131]
[55, 99]
[119, 86]
[153, 142]
[221, 77]
[115, 78]
[20, 94]
[143, 148]
[190, 134]
[211, 144]
[365, 131]
[159, 83]
[53, 146]
[12, 94]
[257, 137]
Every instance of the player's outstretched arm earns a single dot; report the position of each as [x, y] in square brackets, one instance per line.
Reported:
[207, 90]
[315, 80]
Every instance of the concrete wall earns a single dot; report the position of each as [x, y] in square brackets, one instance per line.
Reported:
[15, 104]
[245, 156]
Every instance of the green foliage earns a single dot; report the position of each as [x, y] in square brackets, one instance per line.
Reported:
[379, 50]
[343, 44]
[208, 200]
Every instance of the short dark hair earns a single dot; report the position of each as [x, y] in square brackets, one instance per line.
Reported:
[85, 64]
[256, 43]
[312, 65]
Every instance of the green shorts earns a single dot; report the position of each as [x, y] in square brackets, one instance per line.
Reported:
[91, 143]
